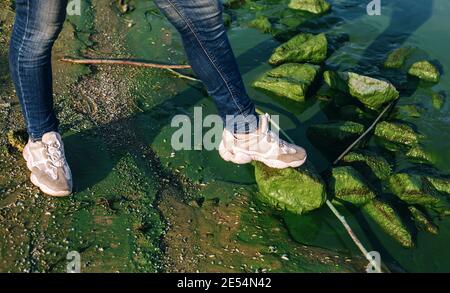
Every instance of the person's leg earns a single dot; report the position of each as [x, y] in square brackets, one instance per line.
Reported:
[206, 44]
[37, 25]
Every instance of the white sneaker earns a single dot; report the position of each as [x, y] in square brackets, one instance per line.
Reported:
[47, 163]
[263, 145]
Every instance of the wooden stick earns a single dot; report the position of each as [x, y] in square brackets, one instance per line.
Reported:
[123, 62]
[364, 134]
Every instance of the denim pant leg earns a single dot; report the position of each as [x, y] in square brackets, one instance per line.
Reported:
[209, 52]
[37, 26]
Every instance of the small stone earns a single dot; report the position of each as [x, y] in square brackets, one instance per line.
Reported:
[424, 70]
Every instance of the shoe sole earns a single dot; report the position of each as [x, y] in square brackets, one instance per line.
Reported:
[241, 158]
[45, 189]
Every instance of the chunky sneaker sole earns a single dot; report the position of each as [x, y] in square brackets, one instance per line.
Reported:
[45, 189]
[241, 157]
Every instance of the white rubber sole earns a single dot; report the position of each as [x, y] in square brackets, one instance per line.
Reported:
[242, 158]
[45, 189]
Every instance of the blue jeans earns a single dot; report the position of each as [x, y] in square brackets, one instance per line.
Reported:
[39, 22]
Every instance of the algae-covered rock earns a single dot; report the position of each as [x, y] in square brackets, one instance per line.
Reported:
[424, 70]
[437, 100]
[313, 6]
[407, 111]
[17, 139]
[386, 217]
[371, 92]
[420, 155]
[335, 134]
[298, 190]
[301, 48]
[348, 185]
[354, 113]
[397, 58]
[416, 190]
[261, 23]
[394, 135]
[289, 80]
[441, 184]
[421, 220]
[371, 165]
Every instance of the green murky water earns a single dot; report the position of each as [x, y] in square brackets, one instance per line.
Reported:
[114, 211]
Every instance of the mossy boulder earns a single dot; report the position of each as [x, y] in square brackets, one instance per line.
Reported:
[313, 6]
[407, 111]
[393, 135]
[354, 113]
[441, 184]
[261, 23]
[416, 190]
[346, 184]
[424, 70]
[437, 100]
[301, 48]
[397, 58]
[289, 80]
[297, 190]
[421, 221]
[420, 155]
[335, 134]
[371, 165]
[371, 92]
[389, 221]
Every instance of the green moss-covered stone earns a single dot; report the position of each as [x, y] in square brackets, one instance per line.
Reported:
[393, 135]
[386, 217]
[261, 23]
[397, 58]
[441, 184]
[301, 48]
[437, 100]
[418, 154]
[421, 220]
[289, 80]
[354, 113]
[298, 190]
[313, 6]
[17, 139]
[348, 185]
[371, 165]
[407, 111]
[371, 92]
[424, 70]
[415, 189]
[335, 134]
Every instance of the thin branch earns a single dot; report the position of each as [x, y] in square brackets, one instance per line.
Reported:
[364, 134]
[123, 62]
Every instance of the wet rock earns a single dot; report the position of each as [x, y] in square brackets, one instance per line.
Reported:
[313, 6]
[348, 185]
[371, 165]
[424, 70]
[371, 92]
[407, 111]
[386, 217]
[17, 139]
[421, 220]
[336, 134]
[437, 100]
[261, 23]
[289, 80]
[441, 184]
[397, 58]
[418, 154]
[233, 3]
[416, 190]
[354, 113]
[301, 48]
[393, 135]
[298, 190]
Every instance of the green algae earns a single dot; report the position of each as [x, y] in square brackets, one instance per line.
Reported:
[407, 111]
[338, 134]
[397, 58]
[418, 154]
[424, 70]
[371, 92]
[389, 221]
[348, 185]
[440, 183]
[301, 48]
[296, 190]
[437, 100]
[394, 135]
[289, 80]
[313, 6]
[422, 222]
[370, 164]
[261, 23]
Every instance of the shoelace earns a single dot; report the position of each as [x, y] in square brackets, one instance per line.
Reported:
[55, 154]
[270, 136]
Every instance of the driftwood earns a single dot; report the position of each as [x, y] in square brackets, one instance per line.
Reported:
[123, 62]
